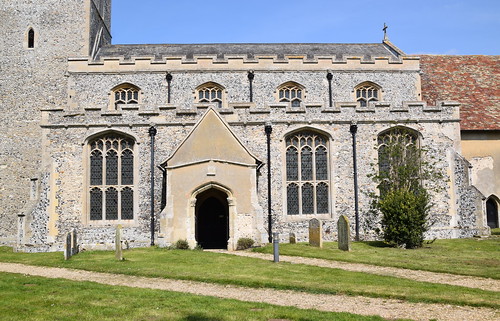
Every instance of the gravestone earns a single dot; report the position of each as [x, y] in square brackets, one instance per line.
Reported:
[315, 233]
[344, 233]
[74, 243]
[118, 243]
[67, 246]
[293, 239]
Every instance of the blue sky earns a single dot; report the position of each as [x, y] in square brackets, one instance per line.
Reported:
[461, 27]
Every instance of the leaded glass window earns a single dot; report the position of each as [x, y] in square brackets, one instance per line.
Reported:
[367, 92]
[307, 173]
[126, 94]
[111, 178]
[291, 93]
[210, 93]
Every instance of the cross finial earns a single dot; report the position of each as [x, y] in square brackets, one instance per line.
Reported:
[385, 32]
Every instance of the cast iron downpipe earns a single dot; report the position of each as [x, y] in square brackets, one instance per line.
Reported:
[329, 76]
[269, 129]
[354, 129]
[152, 134]
[168, 77]
[251, 76]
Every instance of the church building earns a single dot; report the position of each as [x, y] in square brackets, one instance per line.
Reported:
[207, 143]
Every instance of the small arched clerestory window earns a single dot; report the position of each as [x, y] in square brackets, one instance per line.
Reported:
[111, 178]
[399, 158]
[291, 93]
[367, 92]
[125, 93]
[211, 93]
[31, 38]
[492, 212]
[307, 173]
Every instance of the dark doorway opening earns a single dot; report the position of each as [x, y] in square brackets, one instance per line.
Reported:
[492, 213]
[212, 219]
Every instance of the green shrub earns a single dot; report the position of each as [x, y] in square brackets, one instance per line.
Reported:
[181, 245]
[244, 243]
[404, 217]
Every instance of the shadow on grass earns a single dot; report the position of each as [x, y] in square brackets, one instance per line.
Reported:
[377, 244]
[200, 317]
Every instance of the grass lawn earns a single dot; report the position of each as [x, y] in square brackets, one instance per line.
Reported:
[477, 257]
[34, 298]
[495, 231]
[228, 269]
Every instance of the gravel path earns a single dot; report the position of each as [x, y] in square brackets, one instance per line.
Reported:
[386, 308]
[424, 276]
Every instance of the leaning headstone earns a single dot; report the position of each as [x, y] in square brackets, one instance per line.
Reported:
[74, 243]
[293, 239]
[344, 233]
[118, 243]
[67, 246]
[315, 233]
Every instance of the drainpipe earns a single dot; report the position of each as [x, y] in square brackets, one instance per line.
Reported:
[251, 76]
[152, 134]
[329, 76]
[353, 129]
[168, 77]
[269, 129]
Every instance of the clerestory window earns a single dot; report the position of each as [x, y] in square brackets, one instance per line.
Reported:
[291, 93]
[307, 174]
[211, 93]
[367, 92]
[125, 94]
[111, 178]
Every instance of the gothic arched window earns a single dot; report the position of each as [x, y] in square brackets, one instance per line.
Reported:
[210, 93]
[125, 94]
[31, 38]
[399, 158]
[111, 173]
[307, 173]
[291, 93]
[367, 92]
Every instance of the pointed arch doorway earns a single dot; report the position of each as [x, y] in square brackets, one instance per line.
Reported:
[492, 212]
[212, 219]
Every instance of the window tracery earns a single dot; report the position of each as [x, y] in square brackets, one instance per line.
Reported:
[367, 92]
[291, 93]
[111, 183]
[126, 94]
[307, 175]
[211, 93]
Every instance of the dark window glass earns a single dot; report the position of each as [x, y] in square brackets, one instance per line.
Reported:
[322, 198]
[96, 168]
[307, 199]
[111, 204]
[31, 38]
[127, 203]
[306, 164]
[95, 204]
[321, 163]
[111, 168]
[127, 167]
[292, 191]
[292, 164]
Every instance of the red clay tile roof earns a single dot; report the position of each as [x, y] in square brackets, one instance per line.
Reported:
[473, 81]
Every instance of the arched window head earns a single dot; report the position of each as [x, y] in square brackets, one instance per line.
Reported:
[30, 38]
[367, 92]
[125, 94]
[111, 178]
[492, 212]
[399, 159]
[291, 93]
[211, 93]
[307, 173]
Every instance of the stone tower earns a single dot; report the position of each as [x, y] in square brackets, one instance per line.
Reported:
[38, 37]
